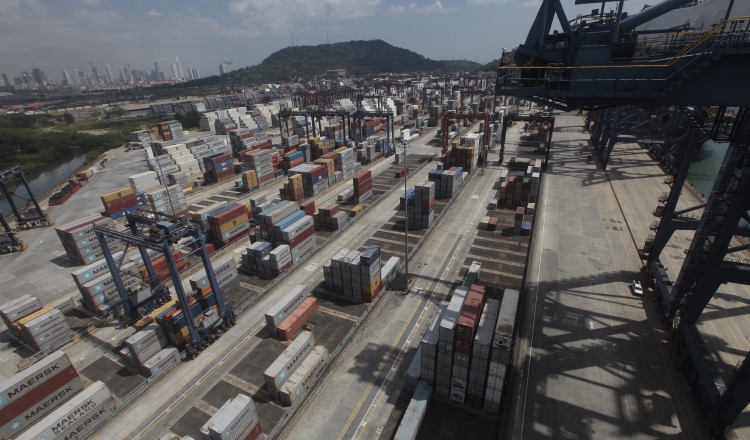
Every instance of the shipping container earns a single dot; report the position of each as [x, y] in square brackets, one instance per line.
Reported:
[288, 362]
[284, 307]
[162, 361]
[289, 326]
[76, 418]
[16, 386]
[414, 414]
[304, 376]
[502, 339]
[235, 420]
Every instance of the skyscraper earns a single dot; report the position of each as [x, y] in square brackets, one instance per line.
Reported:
[122, 75]
[190, 73]
[26, 77]
[179, 68]
[111, 77]
[128, 74]
[157, 74]
[6, 83]
[222, 69]
[66, 78]
[175, 73]
[39, 76]
[80, 77]
[196, 74]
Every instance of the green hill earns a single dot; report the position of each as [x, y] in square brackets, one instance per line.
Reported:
[357, 57]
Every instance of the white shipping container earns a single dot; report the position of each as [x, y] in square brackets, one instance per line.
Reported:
[43, 407]
[96, 269]
[284, 307]
[448, 323]
[305, 374]
[24, 308]
[288, 362]
[162, 361]
[43, 323]
[80, 415]
[233, 421]
[17, 386]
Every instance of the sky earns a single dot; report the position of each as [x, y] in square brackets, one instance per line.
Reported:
[67, 34]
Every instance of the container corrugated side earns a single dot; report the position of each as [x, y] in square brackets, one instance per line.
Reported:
[414, 413]
[161, 361]
[415, 368]
[79, 415]
[305, 374]
[37, 403]
[234, 420]
[15, 387]
[284, 307]
[486, 329]
[448, 323]
[506, 320]
[288, 361]
[21, 309]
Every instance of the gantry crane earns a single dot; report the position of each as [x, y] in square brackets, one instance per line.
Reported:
[600, 61]
[161, 233]
[31, 215]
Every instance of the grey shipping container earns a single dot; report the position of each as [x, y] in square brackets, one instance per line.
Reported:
[305, 374]
[43, 323]
[77, 417]
[284, 307]
[505, 322]
[21, 309]
[285, 365]
[96, 269]
[413, 373]
[162, 361]
[414, 413]
[233, 421]
[486, 329]
[17, 386]
[46, 402]
[448, 323]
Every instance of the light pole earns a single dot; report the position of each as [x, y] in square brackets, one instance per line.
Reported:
[405, 144]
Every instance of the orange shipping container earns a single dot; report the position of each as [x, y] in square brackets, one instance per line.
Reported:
[297, 319]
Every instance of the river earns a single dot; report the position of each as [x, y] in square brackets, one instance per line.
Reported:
[702, 173]
[45, 178]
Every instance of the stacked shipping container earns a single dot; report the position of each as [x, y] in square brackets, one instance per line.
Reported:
[354, 275]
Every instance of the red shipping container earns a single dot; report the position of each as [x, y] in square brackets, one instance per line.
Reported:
[289, 326]
[308, 207]
[237, 237]
[210, 248]
[318, 171]
[222, 158]
[128, 200]
[281, 270]
[229, 214]
[370, 297]
[31, 398]
[363, 175]
[302, 236]
[255, 433]
[268, 177]
[468, 320]
[478, 288]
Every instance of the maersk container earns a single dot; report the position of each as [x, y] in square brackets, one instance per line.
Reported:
[11, 304]
[284, 307]
[235, 420]
[288, 362]
[289, 326]
[414, 413]
[305, 374]
[24, 308]
[163, 360]
[79, 416]
[51, 333]
[16, 386]
[39, 402]
[448, 323]
[483, 338]
[96, 269]
[43, 323]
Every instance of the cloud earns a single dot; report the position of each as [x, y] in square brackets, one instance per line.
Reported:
[153, 13]
[269, 16]
[433, 8]
[530, 3]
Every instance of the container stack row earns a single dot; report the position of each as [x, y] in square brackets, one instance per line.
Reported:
[421, 215]
[237, 419]
[293, 189]
[218, 168]
[287, 363]
[362, 183]
[42, 327]
[118, 203]
[148, 351]
[80, 242]
[354, 274]
[330, 217]
[414, 414]
[314, 178]
[170, 201]
[448, 182]
[229, 224]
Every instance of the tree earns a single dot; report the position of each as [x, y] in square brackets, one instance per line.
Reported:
[68, 118]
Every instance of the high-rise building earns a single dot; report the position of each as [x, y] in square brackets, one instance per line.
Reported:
[111, 78]
[179, 68]
[190, 73]
[157, 74]
[18, 80]
[162, 77]
[222, 69]
[128, 73]
[6, 83]
[66, 78]
[39, 76]
[196, 74]
[122, 75]
[175, 73]
[80, 77]
[26, 77]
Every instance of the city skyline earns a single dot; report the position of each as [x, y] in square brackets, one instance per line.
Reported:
[53, 36]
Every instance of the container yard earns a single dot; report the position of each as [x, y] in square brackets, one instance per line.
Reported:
[410, 264]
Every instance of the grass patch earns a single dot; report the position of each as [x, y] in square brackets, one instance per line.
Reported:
[91, 156]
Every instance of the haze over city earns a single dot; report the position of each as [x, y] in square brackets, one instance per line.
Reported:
[68, 34]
